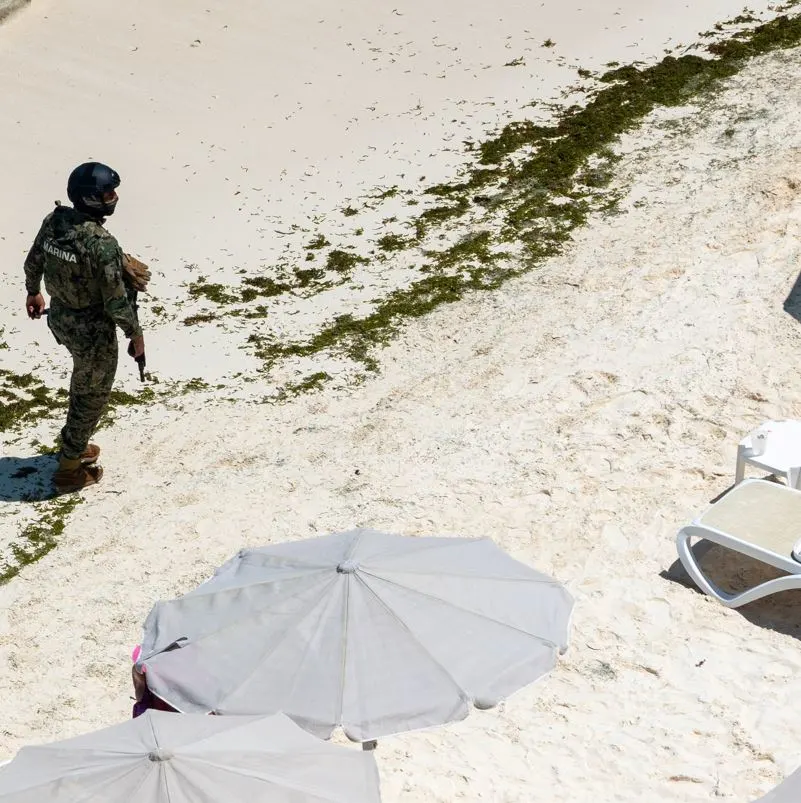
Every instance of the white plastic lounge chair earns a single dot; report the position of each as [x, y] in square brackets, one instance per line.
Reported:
[757, 518]
[780, 451]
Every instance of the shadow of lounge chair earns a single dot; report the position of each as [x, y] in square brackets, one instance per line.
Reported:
[756, 518]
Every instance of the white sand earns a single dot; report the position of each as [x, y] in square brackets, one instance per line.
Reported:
[577, 416]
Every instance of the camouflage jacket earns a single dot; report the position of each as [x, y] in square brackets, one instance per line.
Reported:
[82, 267]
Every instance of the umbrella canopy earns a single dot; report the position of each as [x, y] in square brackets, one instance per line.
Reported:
[169, 758]
[788, 791]
[377, 633]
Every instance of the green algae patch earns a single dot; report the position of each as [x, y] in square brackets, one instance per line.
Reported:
[39, 537]
[354, 337]
[534, 184]
[343, 262]
[24, 399]
[782, 33]
[197, 383]
[201, 317]
[444, 213]
[309, 384]
[284, 279]
[218, 293]
[120, 398]
[394, 242]
[318, 242]
[266, 286]
[472, 250]
[382, 195]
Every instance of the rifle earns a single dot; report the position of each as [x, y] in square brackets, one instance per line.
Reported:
[140, 361]
[136, 275]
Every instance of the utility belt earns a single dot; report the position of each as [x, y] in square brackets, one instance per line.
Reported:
[93, 313]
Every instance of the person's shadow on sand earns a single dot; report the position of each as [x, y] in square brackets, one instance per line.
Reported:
[27, 479]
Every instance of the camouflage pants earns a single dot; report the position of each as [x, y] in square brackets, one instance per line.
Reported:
[91, 338]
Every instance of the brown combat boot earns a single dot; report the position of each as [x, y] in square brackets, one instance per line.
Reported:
[73, 475]
[90, 454]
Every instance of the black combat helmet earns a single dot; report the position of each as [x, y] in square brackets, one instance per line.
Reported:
[86, 186]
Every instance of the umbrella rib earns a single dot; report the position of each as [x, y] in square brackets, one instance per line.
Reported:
[437, 543]
[454, 543]
[284, 562]
[297, 562]
[144, 777]
[277, 782]
[303, 573]
[211, 633]
[105, 785]
[432, 572]
[343, 668]
[457, 607]
[442, 542]
[299, 618]
[161, 768]
[410, 634]
[353, 544]
[149, 720]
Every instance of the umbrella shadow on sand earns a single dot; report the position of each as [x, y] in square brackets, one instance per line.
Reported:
[734, 572]
[27, 479]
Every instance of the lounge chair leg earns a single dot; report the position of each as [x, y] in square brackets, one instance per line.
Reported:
[683, 545]
[740, 471]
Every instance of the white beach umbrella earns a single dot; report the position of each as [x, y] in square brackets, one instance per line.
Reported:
[372, 632]
[171, 758]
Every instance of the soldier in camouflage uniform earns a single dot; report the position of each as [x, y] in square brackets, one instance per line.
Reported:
[82, 266]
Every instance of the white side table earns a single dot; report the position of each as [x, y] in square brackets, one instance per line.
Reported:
[782, 455]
